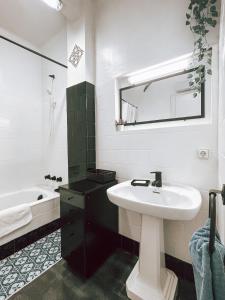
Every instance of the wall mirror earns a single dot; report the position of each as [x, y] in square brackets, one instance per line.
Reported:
[168, 98]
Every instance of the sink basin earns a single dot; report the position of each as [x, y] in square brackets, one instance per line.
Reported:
[167, 202]
[150, 280]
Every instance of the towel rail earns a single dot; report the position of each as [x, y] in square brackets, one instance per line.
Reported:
[212, 215]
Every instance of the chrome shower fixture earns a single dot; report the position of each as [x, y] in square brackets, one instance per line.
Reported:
[49, 91]
[52, 76]
[52, 105]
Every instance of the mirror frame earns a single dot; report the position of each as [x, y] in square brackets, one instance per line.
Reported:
[202, 115]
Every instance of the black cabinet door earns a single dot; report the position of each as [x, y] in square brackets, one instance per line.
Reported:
[73, 218]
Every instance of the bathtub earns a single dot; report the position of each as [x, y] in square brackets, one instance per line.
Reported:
[44, 211]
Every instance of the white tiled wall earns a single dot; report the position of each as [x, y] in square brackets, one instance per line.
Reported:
[221, 129]
[55, 146]
[81, 33]
[131, 35]
[26, 152]
[20, 118]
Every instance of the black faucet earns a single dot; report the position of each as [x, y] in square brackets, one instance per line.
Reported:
[158, 179]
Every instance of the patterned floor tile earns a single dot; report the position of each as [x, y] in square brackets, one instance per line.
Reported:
[56, 256]
[25, 268]
[12, 282]
[15, 255]
[46, 264]
[31, 274]
[40, 259]
[15, 286]
[27, 264]
[53, 250]
[20, 261]
[3, 295]
[6, 269]
[3, 262]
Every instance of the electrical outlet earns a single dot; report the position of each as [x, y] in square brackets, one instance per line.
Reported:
[203, 153]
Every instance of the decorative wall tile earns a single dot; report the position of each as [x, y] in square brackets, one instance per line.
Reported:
[76, 55]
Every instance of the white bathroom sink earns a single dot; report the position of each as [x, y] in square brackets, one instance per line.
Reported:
[167, 202]
[150, 279]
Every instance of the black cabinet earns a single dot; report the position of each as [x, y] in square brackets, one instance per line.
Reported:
[90, 225]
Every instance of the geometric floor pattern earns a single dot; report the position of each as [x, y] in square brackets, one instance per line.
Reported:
[24, 266]
[107, 283]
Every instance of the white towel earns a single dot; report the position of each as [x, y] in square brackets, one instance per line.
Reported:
[133, 114]
[128, 112]
[124, 111]
[14, 218]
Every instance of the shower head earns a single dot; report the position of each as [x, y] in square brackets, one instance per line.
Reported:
[50, 91]
[52, 76]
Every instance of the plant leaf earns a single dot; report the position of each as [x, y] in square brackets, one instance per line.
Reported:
[209, 21]
[214, 23]
[213, 8]
[188, 16]
[214, 13]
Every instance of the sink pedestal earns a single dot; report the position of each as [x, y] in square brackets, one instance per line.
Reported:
[150, 280]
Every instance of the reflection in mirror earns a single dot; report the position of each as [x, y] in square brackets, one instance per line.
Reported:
[165, 99]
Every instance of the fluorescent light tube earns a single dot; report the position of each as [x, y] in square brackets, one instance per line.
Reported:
[55, 4]
[167, 68]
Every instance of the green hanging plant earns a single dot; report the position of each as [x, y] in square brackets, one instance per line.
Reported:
[202, 15]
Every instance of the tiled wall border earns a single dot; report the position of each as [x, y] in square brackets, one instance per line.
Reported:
[29, 238]
[182, 269]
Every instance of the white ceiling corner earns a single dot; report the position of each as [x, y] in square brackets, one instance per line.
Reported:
[34, 21]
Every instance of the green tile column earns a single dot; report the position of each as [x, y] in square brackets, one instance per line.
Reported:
[81, 130]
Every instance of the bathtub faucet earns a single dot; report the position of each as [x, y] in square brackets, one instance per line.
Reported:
[54, 178]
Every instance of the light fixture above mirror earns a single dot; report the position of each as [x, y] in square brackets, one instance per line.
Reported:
[164, 69]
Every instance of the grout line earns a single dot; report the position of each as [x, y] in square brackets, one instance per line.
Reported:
[3, 289]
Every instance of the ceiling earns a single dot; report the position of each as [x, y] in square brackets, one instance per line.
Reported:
[34, 21]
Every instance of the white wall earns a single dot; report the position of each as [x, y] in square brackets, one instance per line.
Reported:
[26, 151]
[56, 47]
[20, 118]
[81, 32]
[221, 125]
[76, 35]
[131, 35]
[55, 159]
